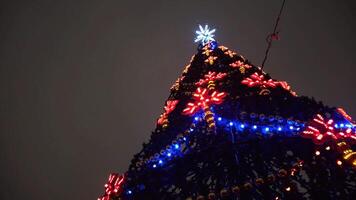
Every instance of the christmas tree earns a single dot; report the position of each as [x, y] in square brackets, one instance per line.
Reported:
[230, 131]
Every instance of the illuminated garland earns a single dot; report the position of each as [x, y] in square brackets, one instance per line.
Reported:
[258, 182]
[280, 126]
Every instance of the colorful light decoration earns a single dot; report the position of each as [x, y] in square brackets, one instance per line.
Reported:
[345, 115]
[281, 126]
[113, 187]
[204, 35]
[230, 53]
[348, 154]
[287, 87]
[176, 84]
[168, 108]
[210, 60]
[207, 52]
[223, 48]
[257, 80]
[210, 79]
[204, 98]
[321, 130]
[241, 65]
[186, 68]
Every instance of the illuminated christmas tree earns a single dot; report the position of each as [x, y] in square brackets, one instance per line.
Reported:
[230, 131]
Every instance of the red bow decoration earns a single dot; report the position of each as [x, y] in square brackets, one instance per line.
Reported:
[210, 77]
[203, 98]
[168, 108]
[113, 187]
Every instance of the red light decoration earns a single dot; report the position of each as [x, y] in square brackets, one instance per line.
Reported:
[321, 130]
[176, 85]
[230, 53]
[223, 48]
[211, 59]
[238, 64]
[203, 99]
[113, 187]
[256, 80]
[210, 79]
[168, 108]
[344, 114]
[286, 86]
[241, 65]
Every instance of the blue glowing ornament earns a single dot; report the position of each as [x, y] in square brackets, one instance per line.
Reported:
[213, 45]
[204, 35]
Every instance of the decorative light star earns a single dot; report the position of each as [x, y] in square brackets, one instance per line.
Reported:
[204, 35]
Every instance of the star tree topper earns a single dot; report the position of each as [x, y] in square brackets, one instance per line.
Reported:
[204, 35]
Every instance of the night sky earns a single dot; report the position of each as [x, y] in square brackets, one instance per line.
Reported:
[83, 82]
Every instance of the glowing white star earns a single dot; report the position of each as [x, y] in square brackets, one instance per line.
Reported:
[204, 35]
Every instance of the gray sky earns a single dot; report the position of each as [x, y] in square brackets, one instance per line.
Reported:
[82, 82]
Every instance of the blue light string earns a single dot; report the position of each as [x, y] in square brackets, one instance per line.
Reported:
[175, 149]
[279, 126]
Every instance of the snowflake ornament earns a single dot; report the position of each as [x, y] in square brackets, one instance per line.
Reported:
[204, 35]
